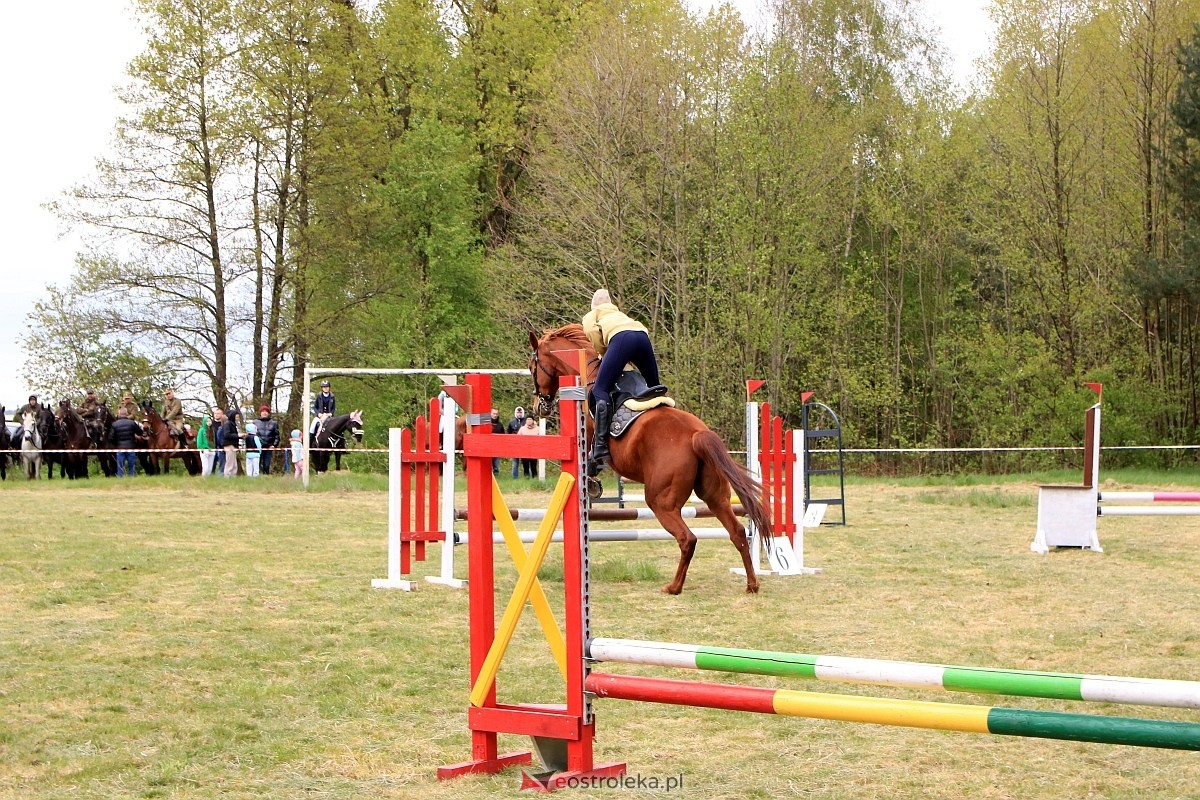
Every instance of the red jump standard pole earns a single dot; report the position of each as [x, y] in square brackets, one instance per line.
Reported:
[563, 732]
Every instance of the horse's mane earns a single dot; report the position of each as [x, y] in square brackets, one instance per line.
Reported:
[573, 333]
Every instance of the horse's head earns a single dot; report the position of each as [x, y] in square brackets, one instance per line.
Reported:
[555, 354]
[31, 428]
[64, 409]
[356, 425]
[47, 423]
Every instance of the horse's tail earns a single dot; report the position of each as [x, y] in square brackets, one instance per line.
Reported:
[709, 448]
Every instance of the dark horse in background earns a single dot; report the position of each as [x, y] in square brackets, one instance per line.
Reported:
[5, 445]
[158, 436]
[52, 443]
[75, 440]
[332, 438]
[668, 450]
[99, 428]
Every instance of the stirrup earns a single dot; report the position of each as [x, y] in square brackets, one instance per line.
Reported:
[595, 466]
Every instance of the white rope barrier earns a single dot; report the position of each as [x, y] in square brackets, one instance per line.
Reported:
[92, 450]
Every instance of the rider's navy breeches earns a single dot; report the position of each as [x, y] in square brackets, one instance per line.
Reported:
[626, 347]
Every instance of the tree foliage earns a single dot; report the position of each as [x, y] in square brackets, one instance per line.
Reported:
[319, 182]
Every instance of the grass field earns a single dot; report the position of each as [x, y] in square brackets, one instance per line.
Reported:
[189, 638]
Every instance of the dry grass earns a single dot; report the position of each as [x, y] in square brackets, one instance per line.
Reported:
[188, 639]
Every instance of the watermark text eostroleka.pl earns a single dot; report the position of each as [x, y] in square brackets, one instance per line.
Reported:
[628, 782]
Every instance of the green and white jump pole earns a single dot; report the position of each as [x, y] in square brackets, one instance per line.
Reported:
[1011, 682]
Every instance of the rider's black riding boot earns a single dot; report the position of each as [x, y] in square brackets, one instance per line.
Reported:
[600, 453]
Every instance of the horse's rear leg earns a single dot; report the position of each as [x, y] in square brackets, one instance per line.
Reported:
[723, 511]
[673, 523]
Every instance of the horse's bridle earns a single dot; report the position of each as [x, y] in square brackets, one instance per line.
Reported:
[546, 401]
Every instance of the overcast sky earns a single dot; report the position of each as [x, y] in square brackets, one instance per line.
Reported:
[58, 68]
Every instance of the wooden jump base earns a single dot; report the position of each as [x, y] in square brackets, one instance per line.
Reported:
[1067, 514]
[911, 675]
[904, 713]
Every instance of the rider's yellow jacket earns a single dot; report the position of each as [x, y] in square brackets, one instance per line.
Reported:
[604, 322]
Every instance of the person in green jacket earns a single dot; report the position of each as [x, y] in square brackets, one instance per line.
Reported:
[204, 443]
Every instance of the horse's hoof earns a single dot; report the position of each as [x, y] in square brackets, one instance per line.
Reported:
[669, 589]
[752, 588]
[595, 489]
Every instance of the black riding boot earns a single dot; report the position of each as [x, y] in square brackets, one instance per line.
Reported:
[600, 453]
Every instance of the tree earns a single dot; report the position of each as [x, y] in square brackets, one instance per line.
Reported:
[165, 276]
[73, 357]
[1174, 291]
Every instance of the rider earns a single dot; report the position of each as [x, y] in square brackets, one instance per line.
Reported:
[173, 416]
[132, 409]
[324, 407]
[32, 406]
[620, 340]
[89, 406]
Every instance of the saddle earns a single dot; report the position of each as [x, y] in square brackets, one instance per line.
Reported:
[631, 398]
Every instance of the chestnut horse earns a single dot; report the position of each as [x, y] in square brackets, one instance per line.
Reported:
[158, 435]
[671, 452]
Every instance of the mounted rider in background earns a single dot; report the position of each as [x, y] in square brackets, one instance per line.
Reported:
[324, 407]
[32, 406]
[132, 409]
[89, 406]
[619, 340]
[173, 416]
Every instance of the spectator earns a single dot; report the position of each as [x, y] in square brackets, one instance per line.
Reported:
[297, 453]
[497, 427]
[205, 445]
[268, 433]
[125, 435]
[230, 439]
[514, 426]
[253, 450]
[218, 438]
[530, 428]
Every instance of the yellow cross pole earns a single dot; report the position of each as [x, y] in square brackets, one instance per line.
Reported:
[537, 597]
[525, 581]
